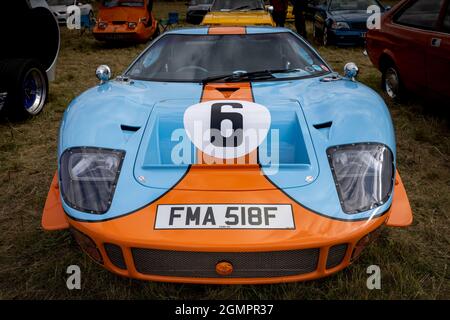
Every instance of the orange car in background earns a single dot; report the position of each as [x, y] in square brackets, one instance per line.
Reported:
[126, 20]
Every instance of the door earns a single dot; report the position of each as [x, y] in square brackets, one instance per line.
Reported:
[412, 30]
[438, 56]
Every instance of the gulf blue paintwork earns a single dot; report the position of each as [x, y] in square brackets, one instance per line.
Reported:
[94, 119]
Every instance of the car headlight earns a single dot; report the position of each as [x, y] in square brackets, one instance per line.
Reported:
[89, 177]
[102, 25]
[364, 175]
[340, 25]
[132, 25]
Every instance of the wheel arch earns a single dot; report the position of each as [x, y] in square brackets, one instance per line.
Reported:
[386, 59]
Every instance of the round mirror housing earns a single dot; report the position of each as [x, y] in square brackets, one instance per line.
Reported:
[103, 73]
[270, 9]
[351, 71]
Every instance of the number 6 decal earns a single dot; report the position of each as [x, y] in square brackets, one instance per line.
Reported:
[234, 138]
[227, 129]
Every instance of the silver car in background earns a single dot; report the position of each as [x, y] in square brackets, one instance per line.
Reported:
[59, 9]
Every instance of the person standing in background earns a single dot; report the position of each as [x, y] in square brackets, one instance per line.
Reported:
[300, 16]
[279, 11]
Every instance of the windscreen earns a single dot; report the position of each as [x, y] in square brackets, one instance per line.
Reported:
[230, 5]
[193, 58]
[353, 5]
[122, 3]
[60, 2]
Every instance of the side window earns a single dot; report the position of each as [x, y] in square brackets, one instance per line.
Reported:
[446, 24]
[422, 14]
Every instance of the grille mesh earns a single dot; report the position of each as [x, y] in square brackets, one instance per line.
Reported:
[245, 264]
[115, 255]
[335, 255]
[359, 25]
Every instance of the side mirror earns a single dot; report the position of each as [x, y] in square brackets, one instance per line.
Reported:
[103, 73]
[351, 71]
[270, 9]
[387, 8]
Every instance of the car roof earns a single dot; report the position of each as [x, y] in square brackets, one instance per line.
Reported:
[248, 30]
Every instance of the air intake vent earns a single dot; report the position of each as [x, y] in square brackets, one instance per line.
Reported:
[125, 127]
[227, 92]
[245, 264]
[115, 255]
[324, 128]
[336, 255]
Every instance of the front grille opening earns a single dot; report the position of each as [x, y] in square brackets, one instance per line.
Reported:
[245, 264]
[336, 255]
[115, 255]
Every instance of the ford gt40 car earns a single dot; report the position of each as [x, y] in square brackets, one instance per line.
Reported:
[226, 155]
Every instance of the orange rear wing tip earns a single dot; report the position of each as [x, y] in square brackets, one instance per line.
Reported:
[401, 213]
[54, 217]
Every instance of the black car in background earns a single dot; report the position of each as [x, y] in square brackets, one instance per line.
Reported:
[197, 9]
[343, 22]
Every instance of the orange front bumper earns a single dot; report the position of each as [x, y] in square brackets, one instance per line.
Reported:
[123, 33]
[313, 231]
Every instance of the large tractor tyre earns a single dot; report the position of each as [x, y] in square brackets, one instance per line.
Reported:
[26, 84]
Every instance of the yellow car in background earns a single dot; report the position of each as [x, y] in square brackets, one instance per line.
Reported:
[239, 13]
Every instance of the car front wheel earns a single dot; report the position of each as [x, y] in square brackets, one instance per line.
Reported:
[26, 85]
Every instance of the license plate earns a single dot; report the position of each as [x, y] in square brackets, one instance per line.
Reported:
[224, 216]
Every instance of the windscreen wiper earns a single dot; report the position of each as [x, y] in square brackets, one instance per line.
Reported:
[243, 75]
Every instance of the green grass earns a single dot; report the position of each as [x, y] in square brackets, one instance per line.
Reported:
[414, 261]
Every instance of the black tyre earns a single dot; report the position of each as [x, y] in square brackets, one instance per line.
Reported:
[391, 82]
[26, 84]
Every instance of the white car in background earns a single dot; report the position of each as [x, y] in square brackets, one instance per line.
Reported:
[59, 9]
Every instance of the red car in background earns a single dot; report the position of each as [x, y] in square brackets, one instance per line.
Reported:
[126, 20]
[412, 48]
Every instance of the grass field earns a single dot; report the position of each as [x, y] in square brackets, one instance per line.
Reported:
[414, 261]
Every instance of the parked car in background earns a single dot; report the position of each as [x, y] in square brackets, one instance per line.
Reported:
[412, 48]
[197, 9]
[238, 13]
[343, 22]
[28, 56]
[126, 20]
[59, 9]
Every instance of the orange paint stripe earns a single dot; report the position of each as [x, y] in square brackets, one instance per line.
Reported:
[226, 30]
[229, 91]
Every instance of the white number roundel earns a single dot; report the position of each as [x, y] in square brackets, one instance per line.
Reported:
[227, 129]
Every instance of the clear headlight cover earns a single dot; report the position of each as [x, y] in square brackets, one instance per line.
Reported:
[89, 177]
[364, 175]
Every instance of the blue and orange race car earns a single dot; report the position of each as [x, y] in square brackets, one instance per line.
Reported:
[226, 155]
